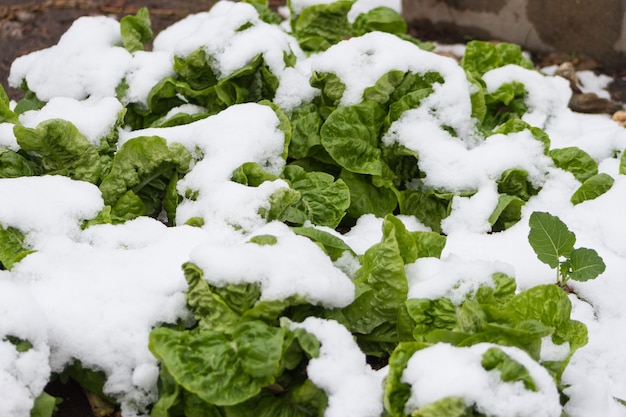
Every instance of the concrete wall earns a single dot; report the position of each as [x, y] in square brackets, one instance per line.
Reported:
[594, 27]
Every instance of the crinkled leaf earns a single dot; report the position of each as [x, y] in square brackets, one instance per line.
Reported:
[17, 164]
[128, 207]
[195, 69]
[550, 238]
[209, 309]
[379, 19]
[510, 370]
[279, 204]
[366, 198]
[306, 123]
[351, 137]
[481, 56]
[251, 173]
[221, 368]
[428, 206]
[145, 165]
[323, 201]
[429, 244]
[319, 26]
[381, 281]
[332, 88]
[429, 315]
[63, 149]
[585, 264]
[549, 305]
[136, 30]
[504, 104]
[304, 400]
[445, 407]
[518, 125]
[576, 161]
[592, 188]
[397, 393]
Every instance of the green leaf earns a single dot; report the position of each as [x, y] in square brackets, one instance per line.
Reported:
[136, 30]
[397, 393]
[251, 173]
[576, 161]
[351, 137]
[379, 19]
[221, 368]
[17, 164]
[195, 70]
[508, 212]
[518, 125]
[505, 104]
[210, 310]
[592, 188]
[366, 198]
[92, 380]
[319, 26]
[128, 207]
[29, 102]
[280, 202]
[428, 206]
[445, 407]
[481, 56]
[144, 165]
[323, 201]
[304, 400]
[429, 315]
[63, 149]
[550, 238]
[265, 13]
[331, 244]
[429, 244]
[514, 182]
[585, 264]
[510, 370]
[12, 247]
[306, 123]
[381, 281]
[45, 405]
[622, 164]
[6, 114]
[331, 87]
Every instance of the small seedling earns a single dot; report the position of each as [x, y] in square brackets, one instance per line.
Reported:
[554, 243]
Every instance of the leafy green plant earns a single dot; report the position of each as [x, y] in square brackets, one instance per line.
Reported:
[554, 243]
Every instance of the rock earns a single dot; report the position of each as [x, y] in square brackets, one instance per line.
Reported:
[568, 71]
[620, 117]
[591, 103]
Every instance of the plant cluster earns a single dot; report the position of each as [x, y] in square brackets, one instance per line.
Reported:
[246, 350]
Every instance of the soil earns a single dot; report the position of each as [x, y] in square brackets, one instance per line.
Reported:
[30, 25]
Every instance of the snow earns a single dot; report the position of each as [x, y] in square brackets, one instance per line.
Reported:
[93, 295]
[293, 266]
[353, 388]
[87, 62]
[452, 277]
[442, 370]
[217, 32]
[94, 117]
